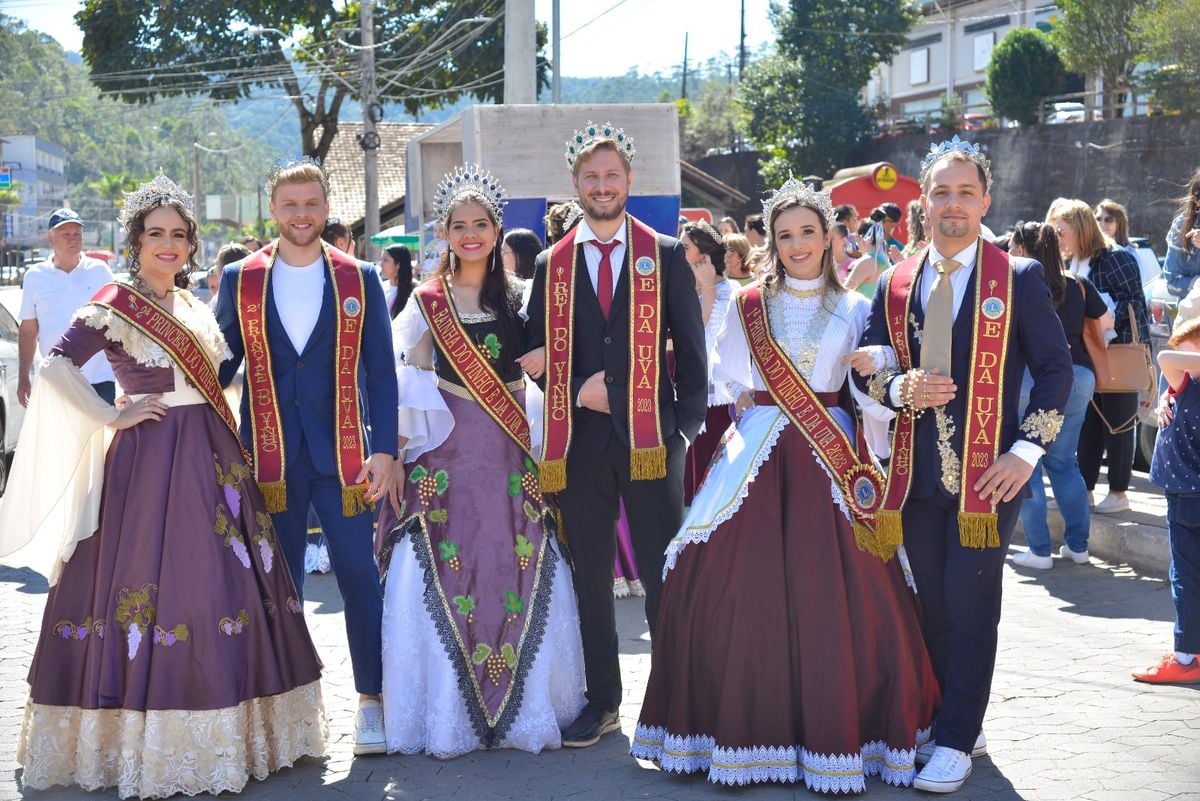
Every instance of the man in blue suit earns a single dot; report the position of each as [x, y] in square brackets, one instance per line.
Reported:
[319, 405]
[966, 324]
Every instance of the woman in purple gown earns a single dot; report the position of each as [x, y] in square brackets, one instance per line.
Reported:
[173, 655]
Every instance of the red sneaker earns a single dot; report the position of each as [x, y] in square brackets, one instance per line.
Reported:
[1169, 671]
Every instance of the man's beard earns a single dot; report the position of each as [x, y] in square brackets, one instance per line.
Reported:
[286, 233]
[953, 228]
[601, 215]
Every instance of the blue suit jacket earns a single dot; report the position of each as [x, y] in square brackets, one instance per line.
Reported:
[1036, 341]
[305, 381]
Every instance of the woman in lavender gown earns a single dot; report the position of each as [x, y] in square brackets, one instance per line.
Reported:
[481, 643]
[173, 655]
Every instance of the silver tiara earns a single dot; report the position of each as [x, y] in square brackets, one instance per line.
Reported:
[469, 178]
[592, 132]
[805, 195]
[955, 145]
[159, 192]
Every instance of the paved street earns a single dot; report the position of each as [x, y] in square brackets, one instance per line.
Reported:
[1065, 721]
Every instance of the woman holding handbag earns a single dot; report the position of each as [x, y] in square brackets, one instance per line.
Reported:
[1082, 313]
[1112, 415]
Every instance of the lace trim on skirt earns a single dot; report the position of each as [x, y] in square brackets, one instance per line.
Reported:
[158, 753]
[823, 773]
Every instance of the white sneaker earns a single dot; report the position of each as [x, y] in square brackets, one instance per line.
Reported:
[1078, 557]
[925, 752]
[368, 729]
[1111, 505]
[946, 771]
[1031, 559]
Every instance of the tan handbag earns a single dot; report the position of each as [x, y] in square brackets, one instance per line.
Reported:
[1130, 368]
[1093, 343]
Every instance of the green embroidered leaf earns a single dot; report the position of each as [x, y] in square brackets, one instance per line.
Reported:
[524, 547]
[513, 604]
[417, 474]
[510, 655]
[447, 550]
[482, 652]
[530, 467]
[439, 516]
[514, 484]
[492, 343]
[531, 513]
[443, 481]
[465, 604]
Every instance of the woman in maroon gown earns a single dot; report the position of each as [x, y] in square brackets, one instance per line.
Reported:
[173, 655]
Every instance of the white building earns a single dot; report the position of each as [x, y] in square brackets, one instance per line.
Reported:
[39, 166]
[948, 53]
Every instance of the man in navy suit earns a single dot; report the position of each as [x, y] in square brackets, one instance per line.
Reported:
[955, 547]
[319, 405]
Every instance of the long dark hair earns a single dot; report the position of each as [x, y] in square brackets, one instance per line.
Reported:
[1189, 206]
[833, 284]
[1040, 242]
[496, 296]
[137, 226]
[708, 241]
[404, 277]
[525, 246]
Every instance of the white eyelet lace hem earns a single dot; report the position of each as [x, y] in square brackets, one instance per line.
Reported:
[823, 773]
[159, 753]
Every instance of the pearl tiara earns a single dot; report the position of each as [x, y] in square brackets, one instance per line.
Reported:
[159, 192]
[805, 195]
[955, 145]
[469, 178]
[591, 133]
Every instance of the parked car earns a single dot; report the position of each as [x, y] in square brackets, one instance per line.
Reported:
[12, 413]
[1070, 112]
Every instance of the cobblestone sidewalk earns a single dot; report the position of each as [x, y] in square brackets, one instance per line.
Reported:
[1065, 721]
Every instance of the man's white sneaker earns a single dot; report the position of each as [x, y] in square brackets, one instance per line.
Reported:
[946, 771]
[1031, 559]
[1111, 505]
[368, 729]
[1078, 557]
[925, 752]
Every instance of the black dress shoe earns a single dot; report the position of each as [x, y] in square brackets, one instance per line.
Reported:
[593, 722]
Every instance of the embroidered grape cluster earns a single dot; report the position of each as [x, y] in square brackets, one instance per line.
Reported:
[448, 552]
[494, 664]
[429, 484]
[466, 606]
[495, 668]
[524, 551]
[525, 482]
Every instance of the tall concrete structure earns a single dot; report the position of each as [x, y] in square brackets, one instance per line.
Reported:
[39, 166]
[520, 52]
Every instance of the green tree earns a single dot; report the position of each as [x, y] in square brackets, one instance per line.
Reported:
[428, 53]
[1100, 38]
[1025, 68]
[1167, 35]
[801, 105]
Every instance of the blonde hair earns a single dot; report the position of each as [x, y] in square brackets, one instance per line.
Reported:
[302, 171]
[739, 244]
[592, 147]
[1077, 214]
[1188, 332]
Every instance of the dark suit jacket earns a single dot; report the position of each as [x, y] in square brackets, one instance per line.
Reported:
[602, 345]
[1036, 341]
[305, 381]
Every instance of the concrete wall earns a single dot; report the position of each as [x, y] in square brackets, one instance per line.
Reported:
[1142, 162]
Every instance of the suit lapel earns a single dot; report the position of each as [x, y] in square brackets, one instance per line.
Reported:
[620, 304]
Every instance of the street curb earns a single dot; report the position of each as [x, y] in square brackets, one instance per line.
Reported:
[1113, 538]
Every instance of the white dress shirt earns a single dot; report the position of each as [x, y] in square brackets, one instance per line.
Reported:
[298, 294]
[592, 254]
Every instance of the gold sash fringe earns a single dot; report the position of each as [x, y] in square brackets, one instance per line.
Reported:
[978, 530]
[275, 494]
[646, 464]
[553, 475]
[354, 500]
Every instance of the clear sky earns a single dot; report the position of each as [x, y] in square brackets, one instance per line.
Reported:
[601, 37]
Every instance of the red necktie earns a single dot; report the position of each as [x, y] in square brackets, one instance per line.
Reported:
[604, 279]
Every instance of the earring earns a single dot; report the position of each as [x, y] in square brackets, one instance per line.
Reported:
[453, 263]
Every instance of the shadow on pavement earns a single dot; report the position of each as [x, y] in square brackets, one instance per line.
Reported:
[31, 581]
[1103, 590]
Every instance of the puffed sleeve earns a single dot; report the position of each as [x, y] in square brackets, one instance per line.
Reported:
[732, 370]
[425, 420]
[875, 416]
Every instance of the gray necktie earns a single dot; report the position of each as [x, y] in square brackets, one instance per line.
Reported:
[939, 320]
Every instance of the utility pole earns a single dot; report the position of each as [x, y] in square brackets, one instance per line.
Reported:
[196, 199]
[556, 21]
[369, 141]
[520, 52]
[742, 45]
[683, 94]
